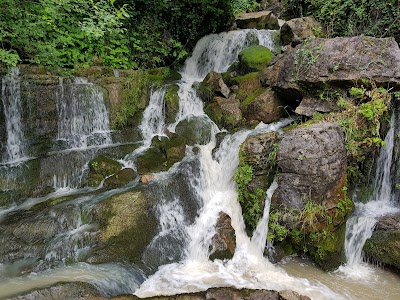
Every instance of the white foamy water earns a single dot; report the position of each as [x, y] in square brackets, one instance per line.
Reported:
[12, 106]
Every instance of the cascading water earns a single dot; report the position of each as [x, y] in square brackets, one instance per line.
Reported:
[11, 98]
[361, 224]
[216, 192]
[83, 116]
[216, 53]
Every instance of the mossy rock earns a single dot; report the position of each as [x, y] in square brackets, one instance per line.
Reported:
[162, 154]
[171, 99]
[126, 228]
[229, 119]
[384, 247]
[100, 168]
[120, 178]
[254, 58]
[195, 130]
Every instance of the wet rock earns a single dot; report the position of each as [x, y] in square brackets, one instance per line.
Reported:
[313, 166]
[223, 294]
[337, 63]
[259, 20]
[212, 85]
[223, 243]
[291, 295]
[258, 154]
[127, 225]
[295, 31]
[195, 130]
[162, 154]
[224, 112]
[266, 108]
[384, 244]
[70, 291]
[171, 99]
[254, 58]
[147, 178]
[100, 168]
[119, 178]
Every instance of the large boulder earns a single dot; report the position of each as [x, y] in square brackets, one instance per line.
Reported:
[310, 207]
[127, 225]
[384, 244]
[259, 20]
[340, 62]
[295, 31]
[223, 243]
[313, 166]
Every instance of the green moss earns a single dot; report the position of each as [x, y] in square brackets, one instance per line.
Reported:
[384, 247]
[250, 98]
[136, 93]
[100, 168]
[171, 99]
[254, 58]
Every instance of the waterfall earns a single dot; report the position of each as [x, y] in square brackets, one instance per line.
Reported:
[215, 52]
[153, 122]
[83, 116]
[216, 192]
[11, 98]
[361, 224]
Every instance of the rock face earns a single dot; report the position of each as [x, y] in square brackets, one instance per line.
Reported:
[340, 62]
[313, 166]
[259, 20]
[384, 244]
[295, 31]
[223, 243]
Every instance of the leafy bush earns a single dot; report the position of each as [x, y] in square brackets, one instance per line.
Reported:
[349, 17]
[63, 33]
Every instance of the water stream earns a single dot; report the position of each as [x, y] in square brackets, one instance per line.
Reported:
[361, 224]
[11, 98]
[187, 211]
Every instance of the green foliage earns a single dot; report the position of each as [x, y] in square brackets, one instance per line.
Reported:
[251, 201]
[241, 6]
[304, 58]
[360, 117]
[63, 33]
[349, 17]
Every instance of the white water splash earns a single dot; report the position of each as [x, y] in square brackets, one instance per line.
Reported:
[83, 116]
[11, 98]
[361, 224]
